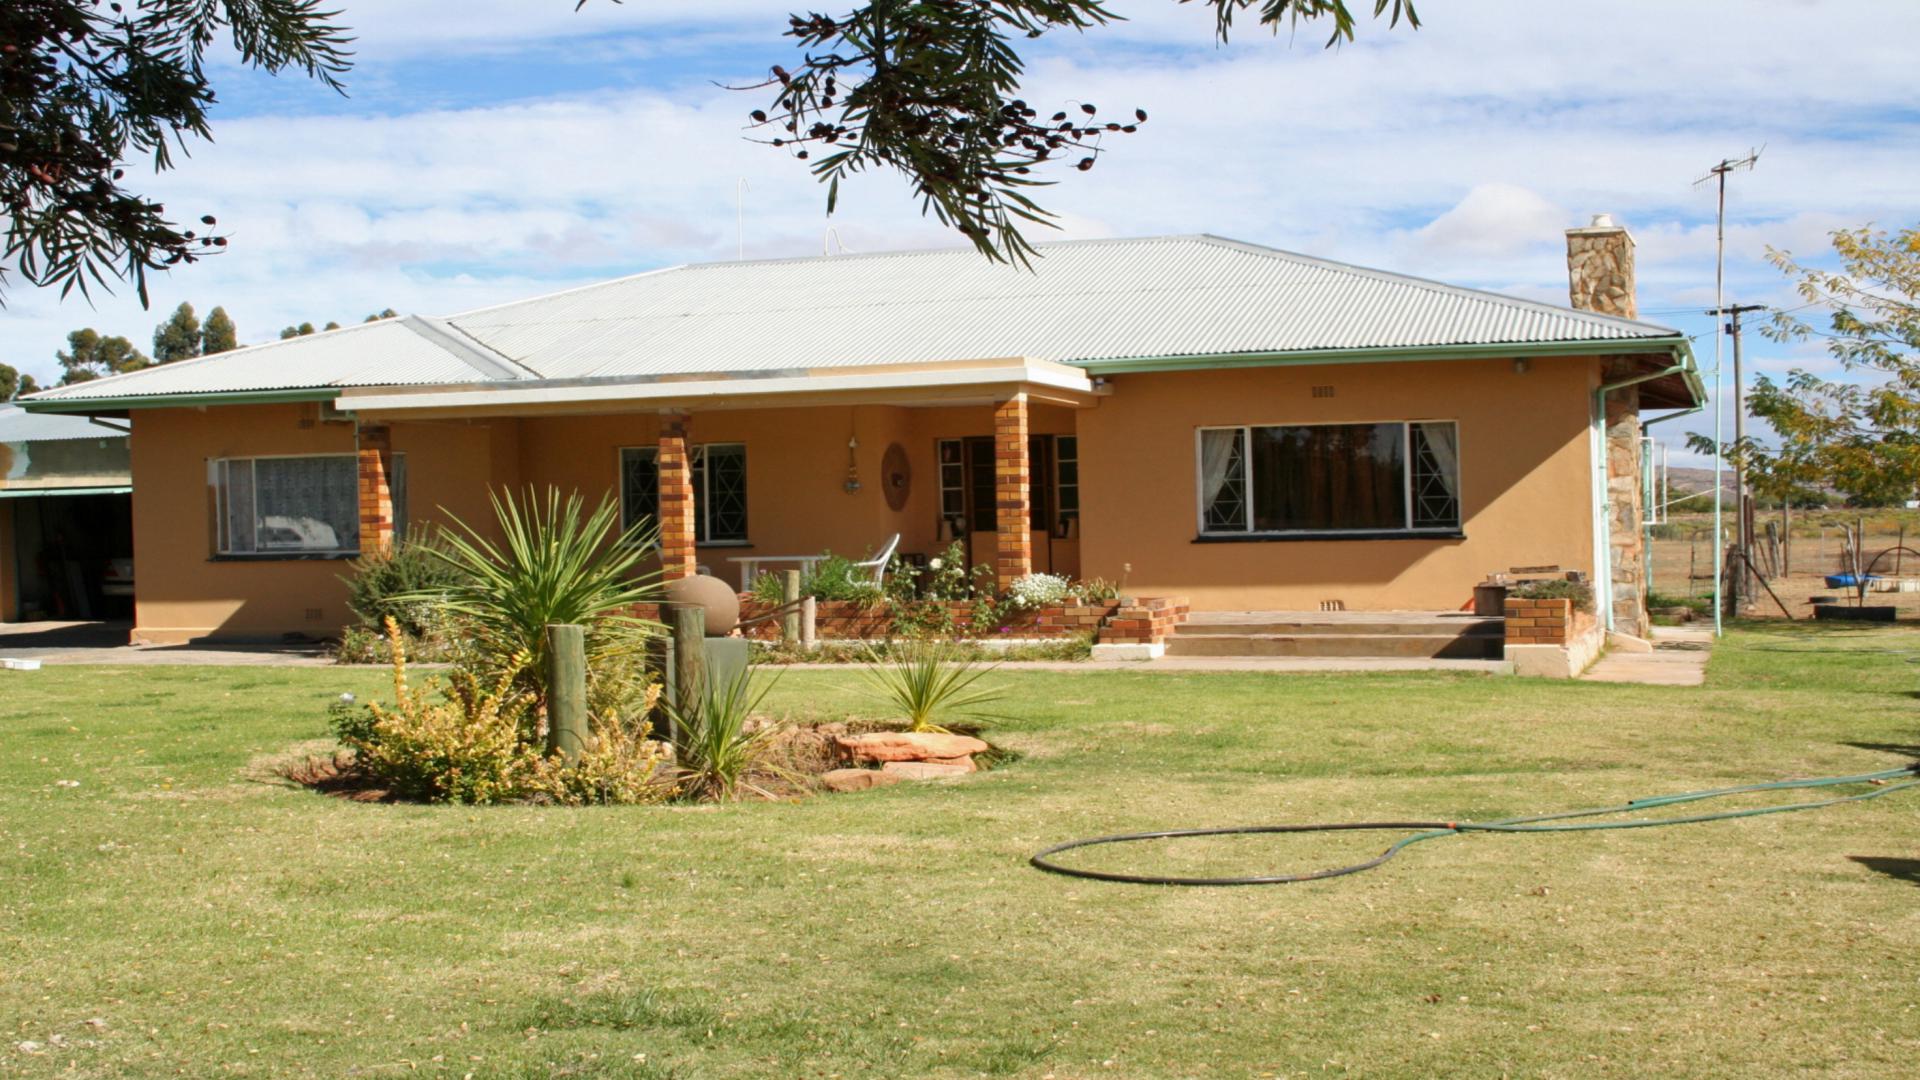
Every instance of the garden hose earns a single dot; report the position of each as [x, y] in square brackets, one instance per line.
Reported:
[1888, 781]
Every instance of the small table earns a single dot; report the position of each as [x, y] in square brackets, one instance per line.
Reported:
[750, 565]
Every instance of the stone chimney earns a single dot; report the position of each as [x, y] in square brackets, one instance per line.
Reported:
[1600, 268]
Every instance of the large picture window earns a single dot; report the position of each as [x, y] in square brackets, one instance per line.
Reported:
[1330, 478]
[295, 505]
[719, 490]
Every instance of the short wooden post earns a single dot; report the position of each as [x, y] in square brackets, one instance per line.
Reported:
[689, 657]
[790, 597]
[566, 691]
[808, 627]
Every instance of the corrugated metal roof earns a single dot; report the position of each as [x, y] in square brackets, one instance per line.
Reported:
[18, 425]
[409, 351]
[1083, 301]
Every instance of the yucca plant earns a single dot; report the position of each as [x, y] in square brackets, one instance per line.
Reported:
[930, 685]
[714, 747]
[555, 563]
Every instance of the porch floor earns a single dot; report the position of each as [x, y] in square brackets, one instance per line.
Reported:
[1347, 635]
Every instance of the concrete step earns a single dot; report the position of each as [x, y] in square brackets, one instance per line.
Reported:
[1430, 645]
[1254, 623]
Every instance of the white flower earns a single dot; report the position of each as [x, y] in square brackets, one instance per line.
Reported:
[936, 564]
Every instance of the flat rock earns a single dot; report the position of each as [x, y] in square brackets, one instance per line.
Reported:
[908, 746]
[926, 770]
[845, 780]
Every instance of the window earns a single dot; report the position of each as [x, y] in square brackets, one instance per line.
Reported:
[1066, 483]
[719, 490]
[969, 501]
[1330, 478]
[295, 505]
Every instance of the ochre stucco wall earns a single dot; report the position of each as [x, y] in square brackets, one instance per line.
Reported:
[1524, 464]
[184, 593]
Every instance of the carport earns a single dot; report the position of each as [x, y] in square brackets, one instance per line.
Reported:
[66, 518]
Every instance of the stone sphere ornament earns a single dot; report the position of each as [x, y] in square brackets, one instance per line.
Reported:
[722, 604]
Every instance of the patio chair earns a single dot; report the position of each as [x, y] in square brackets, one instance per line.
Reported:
[878, 564]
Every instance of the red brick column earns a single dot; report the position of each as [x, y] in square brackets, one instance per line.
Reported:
[676, 500]
[376, 490]
[1012, 489]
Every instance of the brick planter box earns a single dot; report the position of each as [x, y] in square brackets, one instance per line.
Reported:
[1145, 620]
[1539, 622]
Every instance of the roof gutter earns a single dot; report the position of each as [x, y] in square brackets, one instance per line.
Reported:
[175, 401]
[1675, 346]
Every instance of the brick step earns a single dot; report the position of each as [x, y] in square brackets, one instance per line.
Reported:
[1399, 646]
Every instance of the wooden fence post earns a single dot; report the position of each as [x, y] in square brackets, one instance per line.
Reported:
[790, 595]
[566, 691]
[689, 657]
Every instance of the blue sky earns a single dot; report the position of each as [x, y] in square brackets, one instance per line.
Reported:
[494, 149]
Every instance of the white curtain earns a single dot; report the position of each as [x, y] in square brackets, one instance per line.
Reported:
[1443, 441]
[1216, 455]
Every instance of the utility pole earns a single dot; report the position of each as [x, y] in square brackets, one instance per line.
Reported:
[1719, 172]
[1743, 512]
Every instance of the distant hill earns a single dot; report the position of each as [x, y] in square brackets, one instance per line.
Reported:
[1698, 481]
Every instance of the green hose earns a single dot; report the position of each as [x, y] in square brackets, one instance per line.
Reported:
[1535, 823]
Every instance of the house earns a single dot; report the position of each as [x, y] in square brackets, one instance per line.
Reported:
[66, 518]
[1244, 427]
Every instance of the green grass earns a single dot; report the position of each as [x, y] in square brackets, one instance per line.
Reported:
[214, 924]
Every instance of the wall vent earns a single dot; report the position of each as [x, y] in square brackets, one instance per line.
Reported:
[1333, 605]
[313, 614]
[1323, 391]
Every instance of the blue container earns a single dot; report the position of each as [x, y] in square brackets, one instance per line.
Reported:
[1848, 581]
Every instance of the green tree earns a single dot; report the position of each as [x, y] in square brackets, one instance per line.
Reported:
[302, 330]
[928, 88]
[13, 384]
[179, 337]
[85, 87]
[384, 313]
[91, 356]
[218, 334]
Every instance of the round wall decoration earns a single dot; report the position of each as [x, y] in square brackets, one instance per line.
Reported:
[896, 477]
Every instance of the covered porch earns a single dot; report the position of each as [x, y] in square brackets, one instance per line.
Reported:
[751, 473]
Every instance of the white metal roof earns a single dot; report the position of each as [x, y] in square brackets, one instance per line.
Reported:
[1083, 301]
[408, 351]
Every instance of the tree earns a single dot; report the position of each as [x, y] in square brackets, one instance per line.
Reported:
[302, 330]
[218, 334]
[13, 384]
[90, 356]
[179, 337]
[926, 88]
[85, 87]
[384, 313]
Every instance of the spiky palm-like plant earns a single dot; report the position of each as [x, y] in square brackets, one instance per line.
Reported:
[930, 683]
[555, 562]
[714, 747]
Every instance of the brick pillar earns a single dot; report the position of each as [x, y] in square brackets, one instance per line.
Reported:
[376, 490]
[1012, 490]
[676, 499]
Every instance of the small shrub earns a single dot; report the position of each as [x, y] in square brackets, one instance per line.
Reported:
[715, 747]
[621, 766]
[1579, 592]
[1096, 591]
[837, 577]
[949, 578]
[404, 583]
[461, 741]
[929, 683]
[768, 588]
[1032, 592]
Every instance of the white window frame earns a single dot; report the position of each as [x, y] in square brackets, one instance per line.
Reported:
[1246, 455]
[696, 461]
[217, 470]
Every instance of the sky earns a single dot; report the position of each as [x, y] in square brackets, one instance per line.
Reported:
[489, 150]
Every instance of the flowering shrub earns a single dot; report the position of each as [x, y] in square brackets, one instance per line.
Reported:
[1037, 591]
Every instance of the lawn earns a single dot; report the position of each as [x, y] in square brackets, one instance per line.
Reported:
[174, 915]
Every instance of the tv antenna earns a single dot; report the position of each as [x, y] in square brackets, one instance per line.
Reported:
[1719, 173]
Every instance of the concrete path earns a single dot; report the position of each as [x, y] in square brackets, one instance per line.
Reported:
[1190, 664]
[106, 643]
[1679, 658]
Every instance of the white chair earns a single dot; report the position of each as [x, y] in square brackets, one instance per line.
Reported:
[878, 564]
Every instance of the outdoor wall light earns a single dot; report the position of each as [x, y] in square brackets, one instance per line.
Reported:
[1520, 365]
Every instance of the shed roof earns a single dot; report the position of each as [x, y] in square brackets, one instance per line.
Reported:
[18, 425]
[1098, 304]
